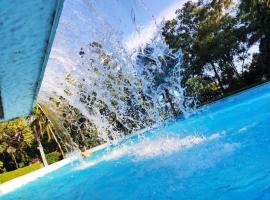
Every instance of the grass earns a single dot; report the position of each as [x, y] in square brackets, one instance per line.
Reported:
[19, 172]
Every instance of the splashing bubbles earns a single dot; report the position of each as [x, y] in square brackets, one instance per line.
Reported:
[115, 91]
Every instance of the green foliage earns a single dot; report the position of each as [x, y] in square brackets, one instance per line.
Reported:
[255, 17]
[200, 86]
[206, 32]
[77, 126]
[255, 14]
[15, 136]
[45, 124]
[19, 172]
[21, 165]
[203, 89]
[213, 34]
[2, 169]
[53, 157]
[3, 146]
[16, 132]
[18, 138]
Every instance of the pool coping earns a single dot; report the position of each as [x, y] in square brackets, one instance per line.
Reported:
[16, 183]
[20, 181]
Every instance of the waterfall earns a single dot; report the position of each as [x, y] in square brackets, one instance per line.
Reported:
[99, 86]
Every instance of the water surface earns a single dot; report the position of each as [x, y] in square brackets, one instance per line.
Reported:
[223, 152]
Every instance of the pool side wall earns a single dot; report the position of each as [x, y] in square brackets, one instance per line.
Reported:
[28, 30]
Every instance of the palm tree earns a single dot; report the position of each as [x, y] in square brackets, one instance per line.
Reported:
[15, 135]
[11, 150]
[51, 125]
[43, 123]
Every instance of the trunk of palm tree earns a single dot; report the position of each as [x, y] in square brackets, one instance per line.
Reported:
[42, 153]
[11, 151]
[14, 159]
[218, 78]
[57, 142]
[58, 128]
[264, 55]
[235, 71]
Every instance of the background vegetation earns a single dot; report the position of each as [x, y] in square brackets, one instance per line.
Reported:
[218, 38]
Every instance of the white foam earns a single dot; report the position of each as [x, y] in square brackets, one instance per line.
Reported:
[245, 128]
[242, 129]
[150, 148]
[167, 145]
[110, 156]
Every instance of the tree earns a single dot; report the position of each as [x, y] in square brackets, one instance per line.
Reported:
[43, 123]
[15, 136]
[202, 87]
[2, 168]
[206, 31]
[11, 150]
[79, 127]
[255, 18]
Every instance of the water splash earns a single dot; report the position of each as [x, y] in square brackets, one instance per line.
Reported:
[116, 90]
[150, 148]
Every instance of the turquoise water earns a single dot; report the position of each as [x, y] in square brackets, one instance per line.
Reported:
[221, 153]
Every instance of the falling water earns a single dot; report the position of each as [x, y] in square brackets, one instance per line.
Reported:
[115, 89]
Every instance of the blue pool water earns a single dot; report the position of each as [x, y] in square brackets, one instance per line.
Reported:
[221, 153]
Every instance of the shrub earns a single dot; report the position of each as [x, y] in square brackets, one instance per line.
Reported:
[21, 165]
[2, 169]
[53, 157]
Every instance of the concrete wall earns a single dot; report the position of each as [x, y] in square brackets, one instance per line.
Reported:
[27, 29]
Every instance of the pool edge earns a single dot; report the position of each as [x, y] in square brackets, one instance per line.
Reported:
[18, 182]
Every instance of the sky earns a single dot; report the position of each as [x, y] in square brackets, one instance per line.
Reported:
[127, 17]
[137, 20]
[160, 10]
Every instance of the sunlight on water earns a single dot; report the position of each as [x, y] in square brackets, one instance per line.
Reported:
[150, 148]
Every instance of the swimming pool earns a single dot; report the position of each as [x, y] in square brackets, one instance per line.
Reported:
[223, 152]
